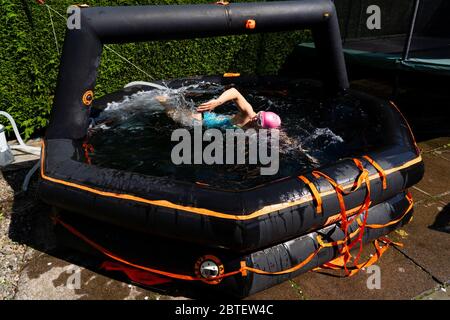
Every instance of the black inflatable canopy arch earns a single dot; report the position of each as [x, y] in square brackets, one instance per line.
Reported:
[102, 25]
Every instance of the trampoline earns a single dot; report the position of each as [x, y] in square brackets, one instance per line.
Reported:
[414, 36]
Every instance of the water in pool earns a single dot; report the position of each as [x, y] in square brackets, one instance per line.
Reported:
[134, 134]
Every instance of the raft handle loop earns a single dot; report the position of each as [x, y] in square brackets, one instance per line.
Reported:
[315, 193]
[379, 169]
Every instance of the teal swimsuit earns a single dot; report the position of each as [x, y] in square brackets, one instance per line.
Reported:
[213, 120]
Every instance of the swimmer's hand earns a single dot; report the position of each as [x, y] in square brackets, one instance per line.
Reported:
[210, 105]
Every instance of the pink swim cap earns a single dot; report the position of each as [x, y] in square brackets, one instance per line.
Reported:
[269, 120]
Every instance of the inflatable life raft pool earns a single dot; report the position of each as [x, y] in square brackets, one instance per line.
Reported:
[236, 274]
[266, 238]
[244, 220]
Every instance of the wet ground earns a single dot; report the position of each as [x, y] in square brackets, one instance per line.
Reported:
[33, 266]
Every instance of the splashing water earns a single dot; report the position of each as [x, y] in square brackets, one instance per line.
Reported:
[145, 102]
[134, 134]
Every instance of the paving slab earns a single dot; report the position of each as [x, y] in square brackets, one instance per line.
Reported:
[399, 279]
[437, 175]
[425, 243]
[440, 143]
[287, 290]
[420, 195]
[48, 277]
[443, 153]
[23, 159]
[444, 199]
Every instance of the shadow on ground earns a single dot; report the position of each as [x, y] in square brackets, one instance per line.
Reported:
[442, 222]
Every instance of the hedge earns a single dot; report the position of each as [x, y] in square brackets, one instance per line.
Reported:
[30, 60]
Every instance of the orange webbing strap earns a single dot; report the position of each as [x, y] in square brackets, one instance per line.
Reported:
[343, 211]
[340, 192]
[379, 169]
[379, 226]
[342, 261]
[156, 271]
[315, 193]
[293, 269]
[339, 263]
[337, 242]
[364, 176]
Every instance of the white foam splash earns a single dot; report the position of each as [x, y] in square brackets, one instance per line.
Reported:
[145, 102]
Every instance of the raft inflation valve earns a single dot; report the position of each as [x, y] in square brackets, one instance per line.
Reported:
[209, 267]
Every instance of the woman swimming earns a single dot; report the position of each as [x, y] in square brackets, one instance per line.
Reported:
[246, 116]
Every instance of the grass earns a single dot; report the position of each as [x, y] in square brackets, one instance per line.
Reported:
[297, 289]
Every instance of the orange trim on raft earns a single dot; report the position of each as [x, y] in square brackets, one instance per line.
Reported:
[164, 203]
[407, 124]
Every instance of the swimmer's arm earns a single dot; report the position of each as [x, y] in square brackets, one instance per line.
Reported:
[231, 94]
